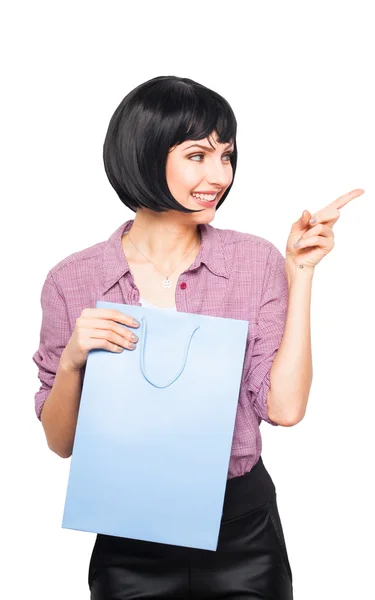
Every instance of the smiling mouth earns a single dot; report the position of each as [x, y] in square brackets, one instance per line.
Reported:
[209, 198]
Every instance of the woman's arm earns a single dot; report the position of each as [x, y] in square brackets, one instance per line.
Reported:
[57, 400]
[291, 371]
[60, 410]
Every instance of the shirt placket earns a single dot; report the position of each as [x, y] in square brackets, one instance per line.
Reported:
[129, 290]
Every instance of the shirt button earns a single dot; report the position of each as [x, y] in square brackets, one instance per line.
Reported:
[183, 285]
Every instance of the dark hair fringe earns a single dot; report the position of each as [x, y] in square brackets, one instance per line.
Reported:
[149, 121]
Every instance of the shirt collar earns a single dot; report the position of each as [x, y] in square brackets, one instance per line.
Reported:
[211, 253]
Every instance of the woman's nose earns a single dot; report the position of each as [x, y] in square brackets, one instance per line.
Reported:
[218, 175]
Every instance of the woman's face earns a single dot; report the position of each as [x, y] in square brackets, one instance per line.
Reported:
[192, 168]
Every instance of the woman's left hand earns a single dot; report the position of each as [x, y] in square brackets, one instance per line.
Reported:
[315, 240]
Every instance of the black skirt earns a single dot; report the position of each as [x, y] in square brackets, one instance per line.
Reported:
[251, 560]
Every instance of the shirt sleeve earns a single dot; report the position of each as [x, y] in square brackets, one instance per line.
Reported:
[269, 330]
[54, 336]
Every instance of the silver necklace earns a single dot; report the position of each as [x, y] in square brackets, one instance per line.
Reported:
[166, 281]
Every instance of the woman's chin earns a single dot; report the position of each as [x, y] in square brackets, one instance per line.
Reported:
[206, 216]
[207, 210]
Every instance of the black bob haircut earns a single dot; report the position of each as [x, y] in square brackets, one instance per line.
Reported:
[154, 117]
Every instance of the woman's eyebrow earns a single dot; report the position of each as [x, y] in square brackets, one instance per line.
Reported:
[209, 148]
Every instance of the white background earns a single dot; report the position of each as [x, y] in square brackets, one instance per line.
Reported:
[300, 79]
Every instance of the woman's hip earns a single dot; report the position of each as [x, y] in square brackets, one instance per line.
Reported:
[251, 555]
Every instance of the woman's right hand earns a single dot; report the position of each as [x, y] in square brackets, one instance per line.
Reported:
[98, 328]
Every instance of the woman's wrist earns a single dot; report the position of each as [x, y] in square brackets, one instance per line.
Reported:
[294, 272]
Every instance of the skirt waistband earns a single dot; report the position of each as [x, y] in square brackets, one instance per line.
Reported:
[248, 492]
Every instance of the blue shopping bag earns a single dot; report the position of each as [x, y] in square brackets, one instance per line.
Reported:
[154, 432]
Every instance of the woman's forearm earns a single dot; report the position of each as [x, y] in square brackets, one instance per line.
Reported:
[60, 410]
[291, 372]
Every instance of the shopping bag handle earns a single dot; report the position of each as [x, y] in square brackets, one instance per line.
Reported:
[142, 353]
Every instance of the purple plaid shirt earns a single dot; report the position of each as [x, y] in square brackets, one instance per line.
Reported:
[234, 275]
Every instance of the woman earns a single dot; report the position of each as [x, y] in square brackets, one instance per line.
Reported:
[170, 154]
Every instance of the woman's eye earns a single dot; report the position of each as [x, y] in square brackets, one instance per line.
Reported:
[227, 155]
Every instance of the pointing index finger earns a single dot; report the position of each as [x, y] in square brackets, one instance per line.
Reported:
[342, 200]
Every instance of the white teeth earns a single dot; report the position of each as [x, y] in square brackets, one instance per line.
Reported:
[206, 197]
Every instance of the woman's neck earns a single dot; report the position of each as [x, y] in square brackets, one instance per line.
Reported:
[162, 238]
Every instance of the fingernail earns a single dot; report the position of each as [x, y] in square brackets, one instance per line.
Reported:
[136, 323]
[296, 245]
[312, 220]
[134, 337]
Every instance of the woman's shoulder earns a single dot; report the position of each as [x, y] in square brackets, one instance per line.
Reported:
[80, 260]
[230, 237]
[250, 251]
[91, 257]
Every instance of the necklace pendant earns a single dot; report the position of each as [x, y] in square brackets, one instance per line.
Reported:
[167, 282]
